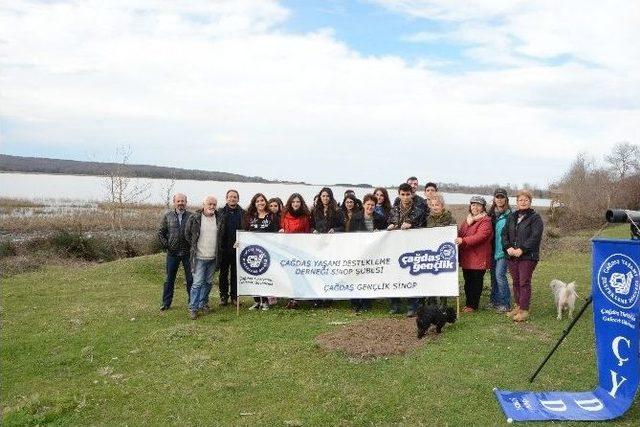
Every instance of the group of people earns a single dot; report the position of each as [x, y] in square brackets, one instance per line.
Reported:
[498, 239]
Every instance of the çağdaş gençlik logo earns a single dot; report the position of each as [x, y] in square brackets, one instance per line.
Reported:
[619, 280]
[255, 260]
[441, 260]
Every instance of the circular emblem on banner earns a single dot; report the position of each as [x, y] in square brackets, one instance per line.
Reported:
[255, 260]
[619, 280]
[447, 251]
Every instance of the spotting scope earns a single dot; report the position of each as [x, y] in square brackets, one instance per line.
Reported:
[622, 216]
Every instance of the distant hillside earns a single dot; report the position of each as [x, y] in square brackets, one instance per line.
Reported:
[74, 167]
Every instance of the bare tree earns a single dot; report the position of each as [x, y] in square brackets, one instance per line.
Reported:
[122, 189]
[167, 191]
[624, 159]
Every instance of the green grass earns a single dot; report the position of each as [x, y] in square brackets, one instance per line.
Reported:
[89, 346]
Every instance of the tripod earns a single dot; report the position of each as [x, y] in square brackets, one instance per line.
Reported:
[565, 332]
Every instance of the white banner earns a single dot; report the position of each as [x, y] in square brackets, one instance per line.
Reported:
[401, 263]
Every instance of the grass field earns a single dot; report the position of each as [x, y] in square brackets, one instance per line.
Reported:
[88, 346]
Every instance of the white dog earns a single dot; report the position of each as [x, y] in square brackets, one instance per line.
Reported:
[565, 296]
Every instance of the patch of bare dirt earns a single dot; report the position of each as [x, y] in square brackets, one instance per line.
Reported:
[373, 338]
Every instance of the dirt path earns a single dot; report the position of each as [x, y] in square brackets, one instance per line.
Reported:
[373, 338]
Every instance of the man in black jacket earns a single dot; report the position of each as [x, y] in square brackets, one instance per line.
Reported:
[418, 201]
[406, 214]
[231, 217]
[171, 237]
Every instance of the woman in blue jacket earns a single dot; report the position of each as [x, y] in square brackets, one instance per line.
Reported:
[500, 298]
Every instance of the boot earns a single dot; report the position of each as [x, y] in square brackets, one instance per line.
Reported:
[521, 316]
[513, 312]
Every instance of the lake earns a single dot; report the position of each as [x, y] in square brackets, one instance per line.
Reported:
[39, 187]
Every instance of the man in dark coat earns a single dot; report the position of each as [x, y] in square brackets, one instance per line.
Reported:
[172, 240]
[418, 201]
[405, 215]
[231, 217]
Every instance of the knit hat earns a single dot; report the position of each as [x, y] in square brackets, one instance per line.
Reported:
[500, 192]
[478, 199]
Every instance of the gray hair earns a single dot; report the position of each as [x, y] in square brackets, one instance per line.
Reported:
[206, 199]
[438, 197]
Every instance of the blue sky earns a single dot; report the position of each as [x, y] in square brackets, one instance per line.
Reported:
[324, 91]
[370, 30]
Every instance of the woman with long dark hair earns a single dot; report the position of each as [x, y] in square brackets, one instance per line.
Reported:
[260, 219]
[326, 217]
[351, 212]
[276, 207]
[383, 205]
[295, 219]
[367, 220]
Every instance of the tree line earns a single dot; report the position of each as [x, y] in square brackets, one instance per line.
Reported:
[590, 187]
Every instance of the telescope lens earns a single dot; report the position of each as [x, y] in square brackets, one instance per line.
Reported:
[616, 216]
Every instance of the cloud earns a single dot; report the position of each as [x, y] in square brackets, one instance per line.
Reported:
[595, 32]
[223, 86]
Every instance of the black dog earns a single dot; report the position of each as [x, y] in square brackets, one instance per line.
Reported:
[433, 315]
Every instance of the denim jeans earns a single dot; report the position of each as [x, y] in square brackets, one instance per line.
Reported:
[202, 283]
[173, 264]
[500, 293]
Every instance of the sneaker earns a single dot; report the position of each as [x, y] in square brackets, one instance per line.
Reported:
[411, 313]
[206, 309]
[164, 307]
[468, 309]
[193, 314]
[223, 302]
[255, 306]
[264, 307]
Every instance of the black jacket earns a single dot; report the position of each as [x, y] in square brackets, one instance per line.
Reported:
[192, 234]
[322, 224]
[416, 216]
[357, 222]
[421, 204]
[171, 233]
[269, 224]
[225, 243]
[525, 235]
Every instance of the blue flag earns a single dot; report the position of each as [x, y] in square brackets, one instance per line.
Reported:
[615, 284]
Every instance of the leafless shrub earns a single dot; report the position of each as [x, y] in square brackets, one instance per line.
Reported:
[587, 190]
[122, 190]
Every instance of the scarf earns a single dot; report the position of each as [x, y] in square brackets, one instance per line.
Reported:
[471, 218]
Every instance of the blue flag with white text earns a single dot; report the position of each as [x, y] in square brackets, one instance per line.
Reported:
[616, 310]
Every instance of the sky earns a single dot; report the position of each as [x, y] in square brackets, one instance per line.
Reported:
[363, 91]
